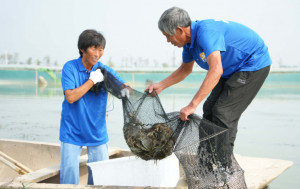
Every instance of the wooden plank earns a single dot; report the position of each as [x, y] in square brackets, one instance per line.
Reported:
[14, 164]
[113, 151]
[48, 172]
[15, 185]
[260, 172]
[45, 173]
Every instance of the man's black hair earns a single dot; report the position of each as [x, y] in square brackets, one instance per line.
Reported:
[90, 38]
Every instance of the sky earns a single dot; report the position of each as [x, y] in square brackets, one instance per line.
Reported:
[40, 28]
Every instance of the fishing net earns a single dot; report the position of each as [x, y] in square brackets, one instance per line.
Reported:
[153, 134]
[109, 84]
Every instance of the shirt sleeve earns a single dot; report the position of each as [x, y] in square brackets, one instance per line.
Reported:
[186, 55]
[67, 78]
[211, 41]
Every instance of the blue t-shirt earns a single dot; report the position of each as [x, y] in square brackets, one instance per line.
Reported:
[241, 48]
[83, 122]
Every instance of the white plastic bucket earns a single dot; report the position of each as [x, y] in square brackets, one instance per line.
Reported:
[133, 171]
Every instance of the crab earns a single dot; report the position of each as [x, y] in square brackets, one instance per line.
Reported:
[155, 142]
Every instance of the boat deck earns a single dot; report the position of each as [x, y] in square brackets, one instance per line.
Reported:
[43, 160]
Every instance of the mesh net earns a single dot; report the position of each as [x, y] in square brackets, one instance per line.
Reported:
[109, 84]
[207, 163]
[153, 134]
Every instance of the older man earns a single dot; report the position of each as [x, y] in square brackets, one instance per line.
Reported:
[236, 58]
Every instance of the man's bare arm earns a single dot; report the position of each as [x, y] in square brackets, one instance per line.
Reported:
[178, 75]
[72, 95]
[213, 76]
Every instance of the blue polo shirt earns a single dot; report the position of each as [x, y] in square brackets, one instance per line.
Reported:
[83, 122]
[241, 48]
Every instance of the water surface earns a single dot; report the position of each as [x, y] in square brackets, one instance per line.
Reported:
[268, 128]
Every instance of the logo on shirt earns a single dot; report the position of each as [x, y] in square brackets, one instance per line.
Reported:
[202, 56]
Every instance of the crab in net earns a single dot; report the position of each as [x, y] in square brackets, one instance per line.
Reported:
[153, 142]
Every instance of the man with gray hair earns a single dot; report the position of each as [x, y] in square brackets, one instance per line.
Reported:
[235, 57]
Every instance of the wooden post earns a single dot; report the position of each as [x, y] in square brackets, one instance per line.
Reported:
[14, 164]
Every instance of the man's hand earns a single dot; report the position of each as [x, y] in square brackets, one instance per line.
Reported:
[186, 111]
[154, 87]
[96, 76]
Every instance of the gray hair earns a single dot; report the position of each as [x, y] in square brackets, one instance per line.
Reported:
[172, 18]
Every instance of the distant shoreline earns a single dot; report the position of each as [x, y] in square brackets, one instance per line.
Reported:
[137, 70]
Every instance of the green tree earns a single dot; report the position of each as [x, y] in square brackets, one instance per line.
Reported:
[38, 62]
[29, 61]
[47, 60]
[165, 65]
[110, 62]
[15, 58]
[55, 63]
[9, 58]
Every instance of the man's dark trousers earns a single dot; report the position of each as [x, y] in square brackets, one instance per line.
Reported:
[230, 97]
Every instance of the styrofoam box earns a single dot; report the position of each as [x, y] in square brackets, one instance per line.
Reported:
[133, 171]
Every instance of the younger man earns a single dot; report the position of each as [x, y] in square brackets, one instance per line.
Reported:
[83, 112]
